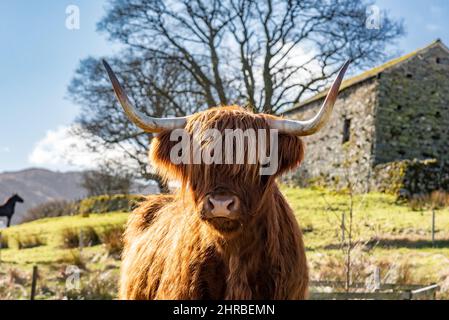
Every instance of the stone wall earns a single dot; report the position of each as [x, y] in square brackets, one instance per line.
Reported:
[412, 120]
[328, 161]
[408, 178]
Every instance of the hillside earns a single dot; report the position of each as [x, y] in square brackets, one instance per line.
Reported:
[36, 186]
[387, 234]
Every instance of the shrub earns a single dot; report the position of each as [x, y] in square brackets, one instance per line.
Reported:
[74, 257]
[16, 276]
[112, 239]
[437, 200]
[72, 238]
[103, 204]
[12, 291]
[417, 203]
[3, 241]
[29, 241]
[49, 209]
[12, 285]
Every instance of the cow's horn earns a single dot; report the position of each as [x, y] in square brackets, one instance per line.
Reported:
[308, 127]
[149, 124]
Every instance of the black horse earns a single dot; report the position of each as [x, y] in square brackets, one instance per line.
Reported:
[7, 210]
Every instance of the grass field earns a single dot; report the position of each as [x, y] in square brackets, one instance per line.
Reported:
[387, 234]
[392, 236]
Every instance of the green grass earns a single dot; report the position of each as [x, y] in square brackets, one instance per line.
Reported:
[404, 237]
[51, 230]
[100, 270]
[374, 215]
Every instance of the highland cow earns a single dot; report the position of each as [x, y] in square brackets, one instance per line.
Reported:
[228, 233]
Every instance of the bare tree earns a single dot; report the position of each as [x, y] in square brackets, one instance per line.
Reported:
[182, 56]
[158, 89]
[106, 181]
[246, 51]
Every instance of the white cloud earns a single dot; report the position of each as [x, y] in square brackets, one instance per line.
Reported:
[5, 150]
[61, 150]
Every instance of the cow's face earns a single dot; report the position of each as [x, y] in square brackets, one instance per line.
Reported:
[227, 194]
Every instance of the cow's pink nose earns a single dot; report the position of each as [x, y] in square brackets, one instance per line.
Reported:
[224, 206]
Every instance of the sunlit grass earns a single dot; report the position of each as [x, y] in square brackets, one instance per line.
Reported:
[400, 235]
[375, 215]
[52, 230]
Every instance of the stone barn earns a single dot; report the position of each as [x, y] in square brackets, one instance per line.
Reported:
[390, 128]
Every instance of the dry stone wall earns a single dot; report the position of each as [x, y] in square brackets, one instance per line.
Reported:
[412, 120]
[408, 178]
[329, 160]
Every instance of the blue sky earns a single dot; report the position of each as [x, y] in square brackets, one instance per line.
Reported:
[39, 55]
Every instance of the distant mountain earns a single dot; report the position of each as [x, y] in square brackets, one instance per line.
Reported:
[37, 186]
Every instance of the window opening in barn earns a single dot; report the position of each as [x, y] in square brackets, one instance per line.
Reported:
[438, 61]
[409, 75]
[346, 130]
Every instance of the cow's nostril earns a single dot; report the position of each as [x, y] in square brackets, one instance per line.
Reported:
[235, 204]
[230, 205]
[210, 203]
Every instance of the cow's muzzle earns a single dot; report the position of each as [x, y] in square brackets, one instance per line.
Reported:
[221, 206]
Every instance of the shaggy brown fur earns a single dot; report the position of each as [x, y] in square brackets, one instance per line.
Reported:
[173, 252]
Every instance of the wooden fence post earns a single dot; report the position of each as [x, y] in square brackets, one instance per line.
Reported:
[33, 283]
[433, 227]
[377, 278]
[2, 226]
[81, 241]
[1, 246]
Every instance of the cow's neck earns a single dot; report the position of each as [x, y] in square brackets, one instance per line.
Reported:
[250, 256]
[252, 241]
